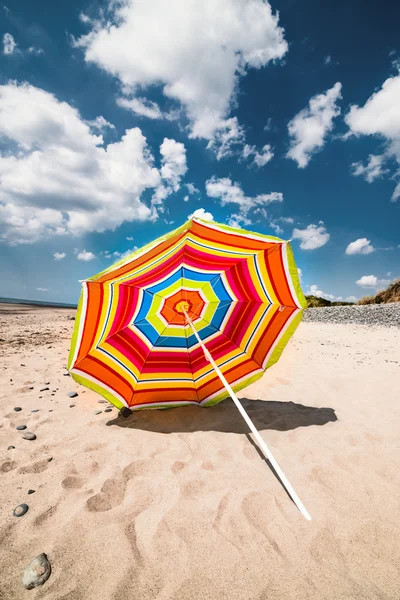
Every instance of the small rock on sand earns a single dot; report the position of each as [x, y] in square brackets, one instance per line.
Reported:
[66, 375]
[31, 491]
[11, 448]
[37, 572]
[17, 408]
[97, 412]
[72, 394]
[20, 427]
[71, 405]
[44, 389]
[28, 435]
[35, 410]
[20, 510]
[107, 409]
[102, 401]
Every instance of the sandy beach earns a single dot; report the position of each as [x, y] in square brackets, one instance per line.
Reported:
[179, 504]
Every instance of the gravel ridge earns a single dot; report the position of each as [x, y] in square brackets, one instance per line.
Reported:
[381, 315]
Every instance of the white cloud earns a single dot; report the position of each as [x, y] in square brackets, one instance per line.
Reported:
[351, 299]
[360, 246]
[195, 51]
[300, 272]
[186, 198]
[201, 213]
[129, 238]
[288, 220]
[62, 178]
[370, 281]
[229, 192]
[141, 107]
[308, 129]
[227, 134]
[42, 289]
[327, 60]
[59, 255]
[192, 189]
[100, 123]
[372, 170]
[260, 158]
[380, 116]
[35, 51]
[85, 256]
[312, 237]
[9, 44]
[314, 291]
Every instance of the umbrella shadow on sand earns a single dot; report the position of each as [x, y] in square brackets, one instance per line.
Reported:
[225, 417]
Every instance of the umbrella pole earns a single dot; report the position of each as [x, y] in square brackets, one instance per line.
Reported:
[267, 452]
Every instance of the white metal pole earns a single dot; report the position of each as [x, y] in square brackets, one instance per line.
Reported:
[261, 443]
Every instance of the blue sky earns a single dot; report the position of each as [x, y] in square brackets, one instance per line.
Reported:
[118, 120]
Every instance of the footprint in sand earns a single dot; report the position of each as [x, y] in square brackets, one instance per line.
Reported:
[113, 490]
[72, 483]
[7, 466]
[36, 467]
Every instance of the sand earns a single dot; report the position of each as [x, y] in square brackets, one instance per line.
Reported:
[179, 504]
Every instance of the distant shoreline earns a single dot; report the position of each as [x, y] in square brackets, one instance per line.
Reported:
[37, 303]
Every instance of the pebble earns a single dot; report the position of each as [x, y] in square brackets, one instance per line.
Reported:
[97, 412]
[50, 459]
[35, 410]
[20, 427]
[387, 315]
[11, 448]
[47, 383]
[22, 365]
[66, 375]
[32, 388]
[72, 394]
[37, 572]
[21, 510]
[17, 408]
[102, 401]
[31, 491]
[44, 389]
[50, 410]
[28, 435]
[71, 405]
[107, 409]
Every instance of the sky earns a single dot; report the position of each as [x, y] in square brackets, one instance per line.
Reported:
[120, 119]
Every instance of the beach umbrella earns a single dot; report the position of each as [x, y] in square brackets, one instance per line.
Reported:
[189, 319]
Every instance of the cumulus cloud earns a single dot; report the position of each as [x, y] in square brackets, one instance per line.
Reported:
[370, 281]
[312, 237]
[309, 128]
[85, 256]
[141, 107]
[61, 178]
[315, 291]
[9, 44]
[360, 246]
[229, 192]
[373, 168]
[380, 116]
[259, 158]
[197, 56]
[300, 272]
[40, 289]
[129, 238]
[201, 213]
[59, 255]
[100, 123]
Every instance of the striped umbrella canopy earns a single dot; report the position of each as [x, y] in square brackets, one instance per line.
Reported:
[189, 319]
[133, 342]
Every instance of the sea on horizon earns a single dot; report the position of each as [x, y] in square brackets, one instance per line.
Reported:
[36, 302]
